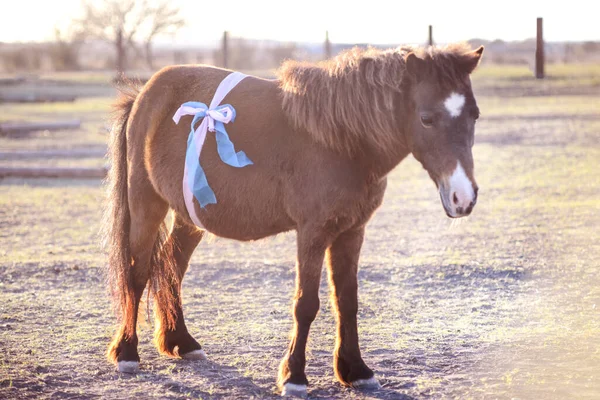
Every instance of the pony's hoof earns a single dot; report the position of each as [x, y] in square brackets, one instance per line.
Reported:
[128, 367]
[294, 390]
[366, 384]
[194, 355]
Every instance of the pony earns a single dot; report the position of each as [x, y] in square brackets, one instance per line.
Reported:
[322, 138]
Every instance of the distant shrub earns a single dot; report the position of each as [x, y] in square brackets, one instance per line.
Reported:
[64, 56]
[23, 59]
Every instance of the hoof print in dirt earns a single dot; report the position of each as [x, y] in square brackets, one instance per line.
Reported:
[195, 355]
[128, 367]
[366, 384]
[294, 390]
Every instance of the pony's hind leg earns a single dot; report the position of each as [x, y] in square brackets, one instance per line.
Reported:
[147, 212]
[172, 337]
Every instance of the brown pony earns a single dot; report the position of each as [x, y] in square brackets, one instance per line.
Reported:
[322, 139]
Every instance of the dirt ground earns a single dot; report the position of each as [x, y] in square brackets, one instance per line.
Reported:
[504, 304]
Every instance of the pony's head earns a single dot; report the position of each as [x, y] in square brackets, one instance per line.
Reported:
[441, 122]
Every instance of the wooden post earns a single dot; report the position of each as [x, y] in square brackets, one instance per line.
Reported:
[539, 51]
[225, 49]
[430, 35]
[327, 46]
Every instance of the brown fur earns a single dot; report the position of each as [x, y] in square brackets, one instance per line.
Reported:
[322, 140]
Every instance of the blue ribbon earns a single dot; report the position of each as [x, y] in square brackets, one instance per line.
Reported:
[196, 177]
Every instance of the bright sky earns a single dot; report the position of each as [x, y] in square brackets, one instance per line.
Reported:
[350, 21]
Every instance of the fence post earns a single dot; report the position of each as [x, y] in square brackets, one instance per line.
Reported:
[539, 51]
[225, 49]
[327, 46]
[430, 35]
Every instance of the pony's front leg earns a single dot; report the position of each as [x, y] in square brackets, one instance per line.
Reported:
[342, 265]
[311, 251]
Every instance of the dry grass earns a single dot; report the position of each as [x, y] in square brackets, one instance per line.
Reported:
[505, 304]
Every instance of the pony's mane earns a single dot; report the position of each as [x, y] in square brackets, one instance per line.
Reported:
[448, 65]
[349, 101]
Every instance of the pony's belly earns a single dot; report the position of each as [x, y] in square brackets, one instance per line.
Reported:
[243, 222]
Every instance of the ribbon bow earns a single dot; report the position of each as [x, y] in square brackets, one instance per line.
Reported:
[213, 120]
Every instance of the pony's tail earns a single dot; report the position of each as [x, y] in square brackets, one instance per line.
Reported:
[164, 279]
[117, 219]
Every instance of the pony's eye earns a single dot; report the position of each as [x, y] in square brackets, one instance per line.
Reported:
[427, 120]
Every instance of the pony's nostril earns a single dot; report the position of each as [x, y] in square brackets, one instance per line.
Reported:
[454, 198]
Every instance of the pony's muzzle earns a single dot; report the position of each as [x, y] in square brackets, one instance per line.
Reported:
[458, 203]
[463, 203]
[458, 194]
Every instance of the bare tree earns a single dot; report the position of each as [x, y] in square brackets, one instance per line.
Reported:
[64, 52]
[122, 22]
[165, 19]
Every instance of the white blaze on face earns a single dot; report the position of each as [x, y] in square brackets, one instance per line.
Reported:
[461, 189]
[454, 104]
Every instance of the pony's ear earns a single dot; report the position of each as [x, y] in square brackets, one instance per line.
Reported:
[415, 66]
[471, 60]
